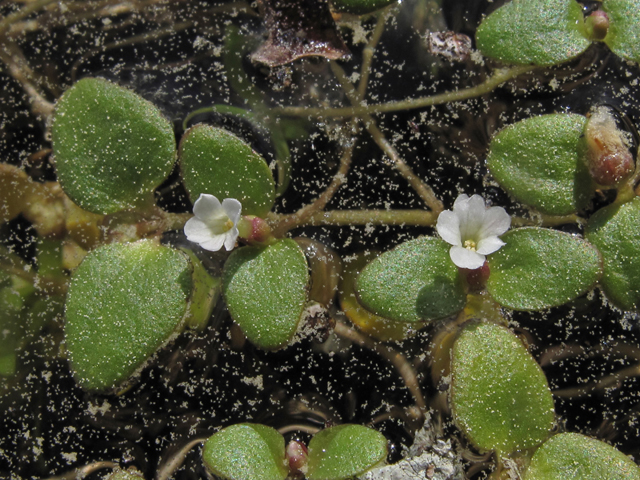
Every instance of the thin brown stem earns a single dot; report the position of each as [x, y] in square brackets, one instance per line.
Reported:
[82, 472]
[498, 78]
[398, 360]
[424, 191]
[315, 208]
[11, 55]
[368, 53]
[23, 13]
[167, 469]
[336, 218]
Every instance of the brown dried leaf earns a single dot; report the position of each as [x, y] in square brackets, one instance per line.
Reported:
[298, 28]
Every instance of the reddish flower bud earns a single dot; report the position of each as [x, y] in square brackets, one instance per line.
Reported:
[476, 278]
[255, 231]
[607, 153]
[298, 457]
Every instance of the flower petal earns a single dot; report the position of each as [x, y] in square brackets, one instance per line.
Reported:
[496, 222]
[471, 218]
[197, 231]
[461, 202]
[207, 206]
[489, 245]
[465, 258]
[231, 237]
[232, 208]
[448, 227]
[213, 244]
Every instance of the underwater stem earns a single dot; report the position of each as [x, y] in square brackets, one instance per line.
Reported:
[424, 191]
[315, 208]
[499, 77]
[398, 360]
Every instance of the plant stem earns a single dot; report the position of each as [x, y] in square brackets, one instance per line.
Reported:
[82, 472]
[315, 208]
[424, 191]
[419, 218]
[499, 77]
[24, 12]
[367, 55]
[167, 469]
[398, 360]
[11, 55]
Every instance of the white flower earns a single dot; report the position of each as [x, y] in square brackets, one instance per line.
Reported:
[214, 224]
[473, 230]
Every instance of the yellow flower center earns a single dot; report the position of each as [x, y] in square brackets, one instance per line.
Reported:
[470, 245]
[228, 225]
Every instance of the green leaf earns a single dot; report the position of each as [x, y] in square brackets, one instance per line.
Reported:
[360, 7]
[415, 281]
[125, 301]
[570, 456]
[266, 291]
[623, 36]
[246, 451]
[540, 268]
[538, 32]
[615, 230]
[217, 162]
[499, 394]
[536, 160]
[112, 147]
[343, 451]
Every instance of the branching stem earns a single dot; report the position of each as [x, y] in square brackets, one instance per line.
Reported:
[398, 360]
[498, 78]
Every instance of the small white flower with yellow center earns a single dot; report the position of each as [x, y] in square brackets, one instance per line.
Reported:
[214, 224]
[472, 228]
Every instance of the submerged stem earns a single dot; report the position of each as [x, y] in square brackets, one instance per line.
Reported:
[315, 208]
[416, 218]
[423, 190]
[499, 77]
[398, 360]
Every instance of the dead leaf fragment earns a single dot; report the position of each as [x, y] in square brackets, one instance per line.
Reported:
[298, 28]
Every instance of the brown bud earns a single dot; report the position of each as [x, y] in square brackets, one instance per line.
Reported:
[597, 25]
[607, 153]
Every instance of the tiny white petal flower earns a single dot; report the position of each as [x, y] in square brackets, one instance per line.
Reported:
[472, 228]
[214, 224]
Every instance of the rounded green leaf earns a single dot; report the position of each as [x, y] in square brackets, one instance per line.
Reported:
[415, 281]
[536, 160]
[540, 268]
[538, 32]
[246, 451]
[266, 291]
[623, 36]
[615, 231]
[360, 7]
[112, 147]
[344, 451]
[571, 456]
[124, 302]
[499, 394]
[217, 162]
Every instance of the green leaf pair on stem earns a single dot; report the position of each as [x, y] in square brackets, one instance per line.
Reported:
[550, 32]
[250, 451]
